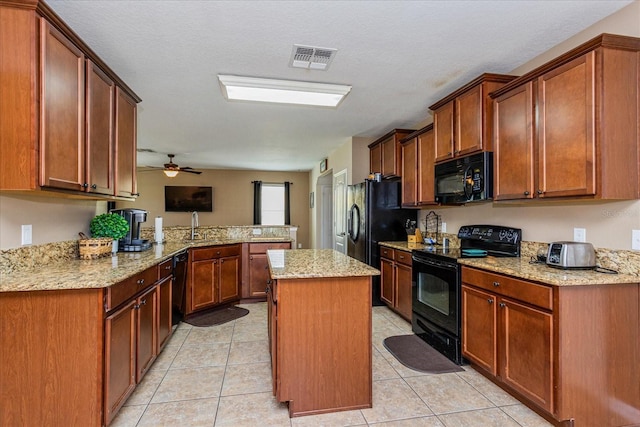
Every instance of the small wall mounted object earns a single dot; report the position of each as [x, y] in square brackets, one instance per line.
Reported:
[323, 165]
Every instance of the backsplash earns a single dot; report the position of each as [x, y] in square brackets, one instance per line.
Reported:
[37, 256]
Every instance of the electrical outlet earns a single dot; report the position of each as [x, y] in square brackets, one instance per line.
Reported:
[26, 234]
[579, 234]
[635, 240]
[257, 231]
[299, 245]
[443, 226]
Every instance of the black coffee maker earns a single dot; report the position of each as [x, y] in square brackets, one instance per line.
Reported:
[132, 242]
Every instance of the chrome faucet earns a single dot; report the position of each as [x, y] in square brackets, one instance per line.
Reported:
[195, 223]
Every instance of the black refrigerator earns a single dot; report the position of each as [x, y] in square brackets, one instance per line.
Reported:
[375, 215]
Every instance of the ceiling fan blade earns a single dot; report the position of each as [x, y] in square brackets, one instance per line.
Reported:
[190, 171]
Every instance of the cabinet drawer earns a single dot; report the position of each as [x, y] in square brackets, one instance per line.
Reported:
[386, 252]
[120, 292]
[261, 248]
[211, 252]
[532, 293]
[402, 257]
[165, 269]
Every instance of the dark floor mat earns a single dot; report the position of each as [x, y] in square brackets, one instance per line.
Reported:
[414, 353]
[216, 316]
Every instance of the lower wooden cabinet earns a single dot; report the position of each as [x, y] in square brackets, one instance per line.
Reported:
[395, 280]
[258, 271]
[568, 352]
[120, 358]
[134, 333]
[214, 276]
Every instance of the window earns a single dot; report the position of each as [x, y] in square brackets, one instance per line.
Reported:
[271, 203]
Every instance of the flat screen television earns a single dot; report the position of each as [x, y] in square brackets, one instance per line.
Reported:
[188, 199]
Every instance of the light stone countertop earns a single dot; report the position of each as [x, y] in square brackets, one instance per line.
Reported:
[104, 272]
[521, 268]
[315, 263]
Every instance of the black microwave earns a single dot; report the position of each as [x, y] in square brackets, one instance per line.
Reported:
[465, 179]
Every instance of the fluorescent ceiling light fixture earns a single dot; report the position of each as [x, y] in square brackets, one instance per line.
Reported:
[282, 91]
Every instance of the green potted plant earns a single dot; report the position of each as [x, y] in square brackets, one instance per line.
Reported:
[109, 225]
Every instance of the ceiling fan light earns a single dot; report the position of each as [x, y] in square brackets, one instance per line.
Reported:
[170, 173]
[282, 91]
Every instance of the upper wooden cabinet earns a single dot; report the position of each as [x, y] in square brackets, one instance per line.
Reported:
[463, 121]
[418, 155]
[61, 126]
[385, 154]
[571, 127]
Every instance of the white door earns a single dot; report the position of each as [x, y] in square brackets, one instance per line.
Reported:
[340, 211]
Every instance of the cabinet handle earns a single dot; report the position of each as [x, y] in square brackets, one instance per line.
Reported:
[401, 257]
[502, 305]
[251, 258]
[140, 281]
[496, 284]
[85, 185]
[221, 261]
[449, 153]
[94, 186]
[526, 193]
[136, 307]
[490, 301]
[143, 302]
[218, 253]
[168, 267]
[540, 191]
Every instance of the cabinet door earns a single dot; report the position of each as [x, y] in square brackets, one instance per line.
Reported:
[229, 269]
[258, 274]
[125, 133]
[203, 284]
[390, 158]
[120, 352]
[526, 352]
[386, 282]
[403, 291]
[513, 145]
[479, 328]
[426, 172]
[443, 131]
[62, 141]
[566, 129]
[375, 159]
[469, 122]
[165, 302]
[100, 98]
[409, 150]
[147, 331]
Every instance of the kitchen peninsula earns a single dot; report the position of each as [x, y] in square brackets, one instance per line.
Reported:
[319, 305]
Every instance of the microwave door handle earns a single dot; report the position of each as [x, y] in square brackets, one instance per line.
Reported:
[465, 177]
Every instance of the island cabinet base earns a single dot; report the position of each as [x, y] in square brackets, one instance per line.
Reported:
[323, 344]
[49, 374]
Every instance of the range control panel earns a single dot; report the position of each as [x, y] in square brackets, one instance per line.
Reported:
[490, 233]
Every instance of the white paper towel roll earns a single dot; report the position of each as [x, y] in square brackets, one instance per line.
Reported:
[158, 234]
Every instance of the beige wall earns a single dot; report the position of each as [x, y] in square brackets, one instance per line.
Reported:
[608, 224]
[52, 219]
[232, 197]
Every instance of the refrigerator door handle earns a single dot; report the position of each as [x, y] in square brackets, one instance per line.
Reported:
[354, 222]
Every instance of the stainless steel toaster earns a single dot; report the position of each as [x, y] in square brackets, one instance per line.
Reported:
[571, 255]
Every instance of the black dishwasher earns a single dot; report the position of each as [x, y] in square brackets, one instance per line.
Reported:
[180, 262]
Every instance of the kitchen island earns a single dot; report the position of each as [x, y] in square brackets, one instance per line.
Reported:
[319, 304]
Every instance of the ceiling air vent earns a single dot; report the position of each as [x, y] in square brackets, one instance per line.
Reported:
[312, 58]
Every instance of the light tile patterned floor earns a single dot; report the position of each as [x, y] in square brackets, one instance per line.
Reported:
[220, 376]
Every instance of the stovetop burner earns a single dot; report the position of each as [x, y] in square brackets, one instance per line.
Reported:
[475, 240]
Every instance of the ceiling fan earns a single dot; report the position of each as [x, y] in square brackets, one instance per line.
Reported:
[171, 169]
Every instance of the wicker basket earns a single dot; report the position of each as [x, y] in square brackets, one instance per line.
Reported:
[89, 248]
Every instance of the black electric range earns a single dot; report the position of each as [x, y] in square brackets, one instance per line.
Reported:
[436, 287]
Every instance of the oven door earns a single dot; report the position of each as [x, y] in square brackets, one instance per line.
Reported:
[436, 292]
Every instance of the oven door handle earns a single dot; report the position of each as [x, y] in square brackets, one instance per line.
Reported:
[435, 263]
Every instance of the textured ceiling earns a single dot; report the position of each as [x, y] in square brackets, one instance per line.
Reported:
[399, 56]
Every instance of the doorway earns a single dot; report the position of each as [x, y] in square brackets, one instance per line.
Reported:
[324, 211]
